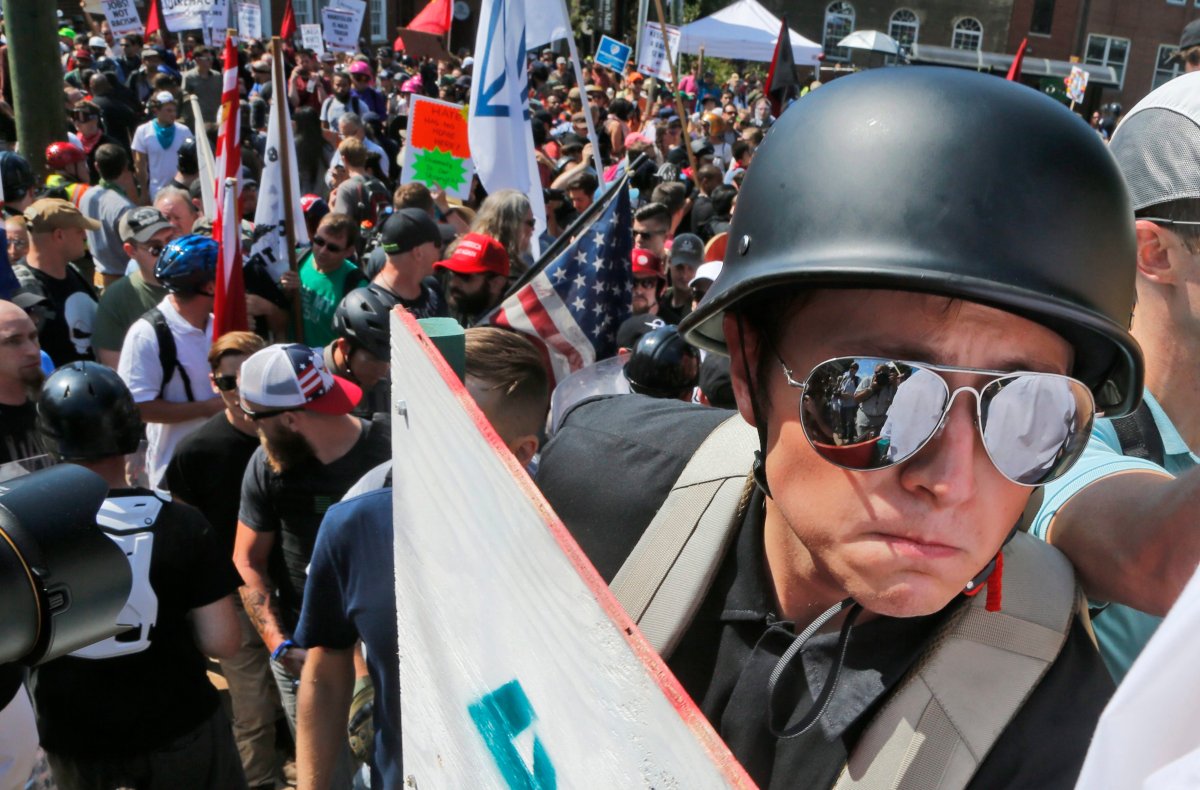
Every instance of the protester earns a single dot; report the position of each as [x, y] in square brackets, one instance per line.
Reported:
[20, 381]
[478, 277]
[412, 242]
[107, 203]
[326, 276]
[156, 144]
[361, 351]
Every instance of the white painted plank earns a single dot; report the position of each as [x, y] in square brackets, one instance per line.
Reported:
[494, 594]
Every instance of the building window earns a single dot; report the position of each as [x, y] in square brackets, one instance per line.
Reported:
[378, 23]
[904, 27]
[1166, 68]
[1176, 2]
[968, 34]
[839, 23]
[1108, 51]
[1043, 17]
[304, 12]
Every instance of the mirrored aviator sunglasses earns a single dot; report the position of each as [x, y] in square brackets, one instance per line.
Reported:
[869, 413]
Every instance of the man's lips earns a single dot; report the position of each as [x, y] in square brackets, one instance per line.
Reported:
[916, 547]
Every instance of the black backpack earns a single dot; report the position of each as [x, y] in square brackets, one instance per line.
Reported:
[168, 357]
[1139, 436]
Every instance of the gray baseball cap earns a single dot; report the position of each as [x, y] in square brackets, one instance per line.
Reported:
[687, 248]
[1157, 144]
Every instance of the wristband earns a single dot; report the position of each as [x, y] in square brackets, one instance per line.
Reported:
[278, 653]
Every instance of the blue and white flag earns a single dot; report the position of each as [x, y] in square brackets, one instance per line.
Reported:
[498, 127]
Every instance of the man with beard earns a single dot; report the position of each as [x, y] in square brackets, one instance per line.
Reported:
[20, 375]
[313, 450]
[478, 277]
[340, 102]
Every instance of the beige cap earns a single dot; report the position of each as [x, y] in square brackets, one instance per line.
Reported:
[49, 214]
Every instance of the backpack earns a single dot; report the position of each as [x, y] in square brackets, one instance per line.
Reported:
[935, 729]
[168, 357]
[1139, 436]
[371, 199]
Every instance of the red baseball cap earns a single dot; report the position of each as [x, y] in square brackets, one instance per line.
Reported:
[477, 253]
[647, 264]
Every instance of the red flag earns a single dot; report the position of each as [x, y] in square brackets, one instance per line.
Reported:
[288, 28]
[1014, 71]
[433, 18]
[153, 23]
[229, 309]
[782, 77]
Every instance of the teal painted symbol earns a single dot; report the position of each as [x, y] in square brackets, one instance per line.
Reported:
[500, 717]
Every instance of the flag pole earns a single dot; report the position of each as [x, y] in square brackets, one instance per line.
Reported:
[285, 170]
[597, 162]
[683, 116]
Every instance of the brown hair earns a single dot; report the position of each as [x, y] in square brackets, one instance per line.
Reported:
[353, 152]
[413, 195]
[243, 343]
[340, 224]
[506, 361]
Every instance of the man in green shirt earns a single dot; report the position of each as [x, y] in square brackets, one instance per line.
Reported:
[144, 232]
[326, 276]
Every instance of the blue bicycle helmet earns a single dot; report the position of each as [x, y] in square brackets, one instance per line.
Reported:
[187, 264]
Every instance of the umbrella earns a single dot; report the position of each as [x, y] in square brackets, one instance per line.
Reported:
[872, 41]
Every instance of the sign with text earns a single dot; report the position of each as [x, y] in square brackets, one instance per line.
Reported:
[180, 15]
[1076, 83]
[437, 153]
[216, 23]
[552, 685]
[310, 37]
[249, 17]
[652, 53]
[122, 17]
[356, 7]
[612, 54]
[338, 27]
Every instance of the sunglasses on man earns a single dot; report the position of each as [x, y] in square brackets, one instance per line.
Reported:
[1034, 426]
[320, 241]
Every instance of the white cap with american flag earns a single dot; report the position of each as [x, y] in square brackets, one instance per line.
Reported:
[294, 376]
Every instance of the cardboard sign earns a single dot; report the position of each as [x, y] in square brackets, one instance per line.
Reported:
[337, 25]
[310, 37]
[249, 20]
[436, 152]
[216, 23]
[122, 17]
[356, 7]
[652, 53]
[519, 667]
[418, 44]
[1076, 83]
[612, 54]
[180, 15]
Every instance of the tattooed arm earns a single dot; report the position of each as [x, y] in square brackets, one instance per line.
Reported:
[251, 550]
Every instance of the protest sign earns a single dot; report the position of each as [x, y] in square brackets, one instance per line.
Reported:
[185, 14]
[437, 153]
[1076, 83]
[122, 17]
[216, 22]
[356, 7]
[249, 16]
[612, 54]
[652, 54]
[550, 684]
[337, 25]
[310, 38]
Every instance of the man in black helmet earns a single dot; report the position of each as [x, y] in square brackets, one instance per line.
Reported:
[361, 350]
[877, 618]
[137, 710]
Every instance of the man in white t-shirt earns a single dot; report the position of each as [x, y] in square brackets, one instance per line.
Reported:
[171, 389]
[156, 145]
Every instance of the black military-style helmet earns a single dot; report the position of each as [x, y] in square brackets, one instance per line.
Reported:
[362, 316]
[16, 175]
[85, 412]
[662, 365]
[187, 159]
[947, 182]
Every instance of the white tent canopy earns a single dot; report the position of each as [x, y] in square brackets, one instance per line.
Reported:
[743, 31]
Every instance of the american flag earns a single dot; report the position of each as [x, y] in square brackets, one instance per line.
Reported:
[574, 303]
[308, 375]
[229, 307]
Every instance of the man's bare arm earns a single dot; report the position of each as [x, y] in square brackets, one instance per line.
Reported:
[251, 551]
[1132, 537]
[326, 687]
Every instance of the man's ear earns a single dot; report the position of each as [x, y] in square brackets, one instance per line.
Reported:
[744, 349]
[1154, 246]
[524, 448]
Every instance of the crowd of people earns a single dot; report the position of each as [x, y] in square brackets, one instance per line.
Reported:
[881, 278]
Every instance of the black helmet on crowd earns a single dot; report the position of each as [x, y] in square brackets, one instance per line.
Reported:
[662, 365]
[16, 175]
[187, 264]
[186, 160]
[85, 413]
[947, 182]
[362, 316]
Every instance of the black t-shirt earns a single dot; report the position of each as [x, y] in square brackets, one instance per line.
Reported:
[294, 503]
[115, 707]
[430, 304]
[639, 446]
[18, 432]
[66, 332]
[206, 471]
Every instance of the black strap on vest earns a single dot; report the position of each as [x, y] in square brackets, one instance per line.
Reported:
[168, 357]
[1139, 436]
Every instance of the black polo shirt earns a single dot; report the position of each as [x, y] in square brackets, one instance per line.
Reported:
[727, 655]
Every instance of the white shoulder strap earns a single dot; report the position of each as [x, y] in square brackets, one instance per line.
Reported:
[663, 581]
